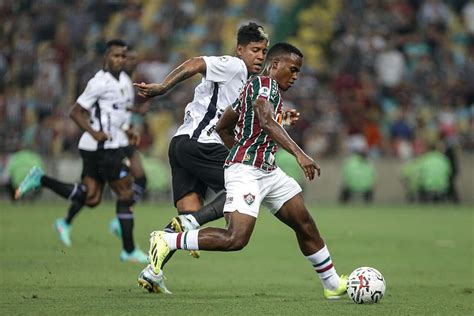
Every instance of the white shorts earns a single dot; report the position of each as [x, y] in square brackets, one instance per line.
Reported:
[248, 187]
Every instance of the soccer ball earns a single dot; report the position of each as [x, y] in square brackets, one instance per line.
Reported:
[366, 285]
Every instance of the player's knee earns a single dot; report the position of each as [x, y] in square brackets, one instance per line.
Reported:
[93, 201]
[125, 195]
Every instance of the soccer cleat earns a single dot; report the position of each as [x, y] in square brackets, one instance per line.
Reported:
[182, 224]
[159, 249]
[336, 294]
[152, 282]
[115, 228]
[64, 231]
[136, 256]
[32, 181]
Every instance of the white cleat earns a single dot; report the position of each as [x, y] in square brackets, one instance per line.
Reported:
[152, 282]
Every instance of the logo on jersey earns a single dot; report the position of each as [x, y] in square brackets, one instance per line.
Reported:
[247, 157]
[224, 59]
[229, 200]
[187, 117]
[264, 92]
[249, 198]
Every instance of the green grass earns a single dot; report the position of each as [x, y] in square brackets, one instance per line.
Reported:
[425, 254]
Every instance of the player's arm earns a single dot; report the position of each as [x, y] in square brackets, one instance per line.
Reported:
[81, 117]
[264, 111]
[184, 71]
[226, 126]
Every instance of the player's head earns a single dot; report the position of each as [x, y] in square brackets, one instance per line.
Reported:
[252, 43]
[115, 55]
[283, 64]
[131, 61]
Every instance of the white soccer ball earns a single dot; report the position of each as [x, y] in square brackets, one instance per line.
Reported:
[366, 285]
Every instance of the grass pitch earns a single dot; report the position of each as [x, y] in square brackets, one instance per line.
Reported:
[424, 253]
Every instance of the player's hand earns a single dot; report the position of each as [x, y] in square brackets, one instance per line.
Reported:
[100, 136]
[309, 166]
[290, 117]
[149, 90]
[133, 137]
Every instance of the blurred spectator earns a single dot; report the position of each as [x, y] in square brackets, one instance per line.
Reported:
[434, 173]
[358, 173]
[410, 177]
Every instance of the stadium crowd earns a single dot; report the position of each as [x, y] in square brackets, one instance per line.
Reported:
[397, 73]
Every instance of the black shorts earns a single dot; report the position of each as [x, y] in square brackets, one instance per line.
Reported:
[105, 165]
[129, 150]
[195, 166]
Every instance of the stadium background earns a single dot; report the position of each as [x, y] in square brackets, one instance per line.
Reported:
[396, 72]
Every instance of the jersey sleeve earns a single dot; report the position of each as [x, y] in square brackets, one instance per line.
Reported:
[90, 95]
[263, 88]
[222, 68]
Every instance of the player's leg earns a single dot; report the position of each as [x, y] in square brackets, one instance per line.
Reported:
[36, 179]
[203, 162]
[138, 186]
[235, 237]
[123, 189]
[90, 195]
[89, 191]
[294, 214]
[120, 180]
[286, 202]
[138, 174]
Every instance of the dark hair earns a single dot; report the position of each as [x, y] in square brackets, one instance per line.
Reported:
[280, 49]
[251, 32]
[115, 42]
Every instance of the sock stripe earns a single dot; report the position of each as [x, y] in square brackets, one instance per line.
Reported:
[73, 191]
[125, 215]
[185, 244]
[322, 262]
[178, 240]
[325, 268]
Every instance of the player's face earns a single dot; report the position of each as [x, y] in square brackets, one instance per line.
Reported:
[286, 70]
[131, 62]
[253, 55]
[115, 58]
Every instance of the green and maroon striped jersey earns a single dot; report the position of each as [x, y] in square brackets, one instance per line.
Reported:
[253, 145]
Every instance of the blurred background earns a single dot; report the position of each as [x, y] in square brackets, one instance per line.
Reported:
[386, 94]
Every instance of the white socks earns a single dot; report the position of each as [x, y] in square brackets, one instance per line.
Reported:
[187, 240]
[323, 265]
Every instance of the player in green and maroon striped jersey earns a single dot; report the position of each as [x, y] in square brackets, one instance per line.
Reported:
[252, 129]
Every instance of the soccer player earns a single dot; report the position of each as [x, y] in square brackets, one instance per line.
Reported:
[252, 178]
[101, 111]
[196, 152]
[136, 166]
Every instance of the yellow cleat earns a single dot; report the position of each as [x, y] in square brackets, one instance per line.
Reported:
[159, 249]
[336, 294]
